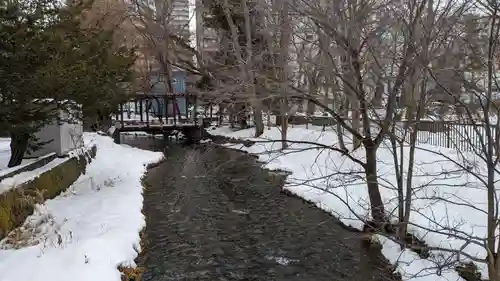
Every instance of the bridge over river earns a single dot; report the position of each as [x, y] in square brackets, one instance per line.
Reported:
[165, 114]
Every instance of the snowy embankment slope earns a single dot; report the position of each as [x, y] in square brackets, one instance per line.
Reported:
[337, 184]
[89, 230]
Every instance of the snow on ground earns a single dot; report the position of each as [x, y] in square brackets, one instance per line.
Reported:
[337, 184]
[89, 230]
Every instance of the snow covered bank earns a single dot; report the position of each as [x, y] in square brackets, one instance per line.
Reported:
[447, 205]
[89, 230]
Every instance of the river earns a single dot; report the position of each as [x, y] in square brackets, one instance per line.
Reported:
[215, 214]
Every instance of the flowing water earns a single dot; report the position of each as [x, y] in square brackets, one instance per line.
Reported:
[215, 214]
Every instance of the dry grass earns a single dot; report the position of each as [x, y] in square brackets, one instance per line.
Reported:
[130, 274]
[134, 273]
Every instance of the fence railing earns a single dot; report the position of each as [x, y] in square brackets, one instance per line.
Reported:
[451, 134]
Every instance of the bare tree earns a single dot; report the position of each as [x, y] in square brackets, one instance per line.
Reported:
[351, 35]
[475, 134]
[285, 34]
[433, 34]
[164, 43]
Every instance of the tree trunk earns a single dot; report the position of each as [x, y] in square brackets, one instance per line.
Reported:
[379, 92]
[259, 121]
[268, 117]
[221, 114]
[284, 51]
[398, 169]
[231, 116]
[242, 116]
[340, 136]
[376, 203]
[356, 121]
[415, 112]
[284, 124]
[18, 146]
[326, 97]
[340, 129]
[311, 107]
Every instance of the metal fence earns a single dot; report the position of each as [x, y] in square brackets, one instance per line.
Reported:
[450, 134]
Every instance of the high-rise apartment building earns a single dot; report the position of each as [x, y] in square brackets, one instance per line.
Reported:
[176, 13]
[180, 12]
[207, 39]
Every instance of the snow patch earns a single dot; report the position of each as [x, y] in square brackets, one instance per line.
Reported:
[337, 184]
[89, 230]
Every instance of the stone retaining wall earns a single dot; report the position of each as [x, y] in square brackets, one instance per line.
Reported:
[18, 203]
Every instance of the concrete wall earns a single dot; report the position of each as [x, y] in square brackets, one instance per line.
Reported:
[62, 136]
[50, 134]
